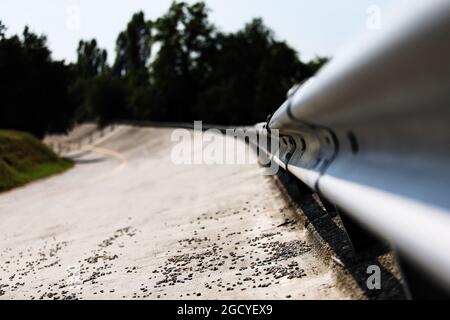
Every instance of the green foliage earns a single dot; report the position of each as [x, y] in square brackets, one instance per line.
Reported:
[33, 88]
[91, 63]
[106, 97]
[251, 74]
[197, 73]
[134, 45]
[23, 159]
[201, 73]
[183, 64]
[92, 60]
[316, 64]
[2, 30]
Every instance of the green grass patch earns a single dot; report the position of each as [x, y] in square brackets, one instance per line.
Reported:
[24, 159]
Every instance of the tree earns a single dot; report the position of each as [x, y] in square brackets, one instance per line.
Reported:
[252, 73]
[186, 39]
[91, 63]
[133, 54]
[34, 89]
[2, 30]
[92, 60]
[197, 73]
[279, 70]
[134, 46]
[107, 98]
[316, 64]
[200, 73]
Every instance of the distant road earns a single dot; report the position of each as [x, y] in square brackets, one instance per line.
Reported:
[127, 223]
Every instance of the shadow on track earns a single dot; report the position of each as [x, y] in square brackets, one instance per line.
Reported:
[328, 227]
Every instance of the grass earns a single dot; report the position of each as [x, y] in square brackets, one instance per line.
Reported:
[24, 159]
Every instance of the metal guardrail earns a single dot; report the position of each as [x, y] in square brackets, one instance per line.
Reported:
[371, 134]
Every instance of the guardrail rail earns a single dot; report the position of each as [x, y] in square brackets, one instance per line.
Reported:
[371, 134]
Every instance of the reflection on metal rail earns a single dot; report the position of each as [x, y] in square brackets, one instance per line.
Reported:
[371, 134]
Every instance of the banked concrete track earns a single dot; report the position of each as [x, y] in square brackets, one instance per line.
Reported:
[128, 223]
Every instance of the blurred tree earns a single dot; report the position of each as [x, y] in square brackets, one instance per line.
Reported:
[133, 54]
[197, 73]
[91, 60]
[134, 46]
[107, 98]
[252, 73]
[316, 64]
[2, 30]
[33, 88]
[181, 66]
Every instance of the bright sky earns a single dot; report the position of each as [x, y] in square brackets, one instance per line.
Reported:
[311, 26]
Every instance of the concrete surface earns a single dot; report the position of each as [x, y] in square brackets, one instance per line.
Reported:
[128, 223]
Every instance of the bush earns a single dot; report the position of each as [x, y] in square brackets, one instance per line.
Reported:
[33, 88]
[23, 159]
[107, 97]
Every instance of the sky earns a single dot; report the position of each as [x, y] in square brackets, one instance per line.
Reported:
[312, 27]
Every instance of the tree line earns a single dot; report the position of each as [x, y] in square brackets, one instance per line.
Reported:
[179, 67]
